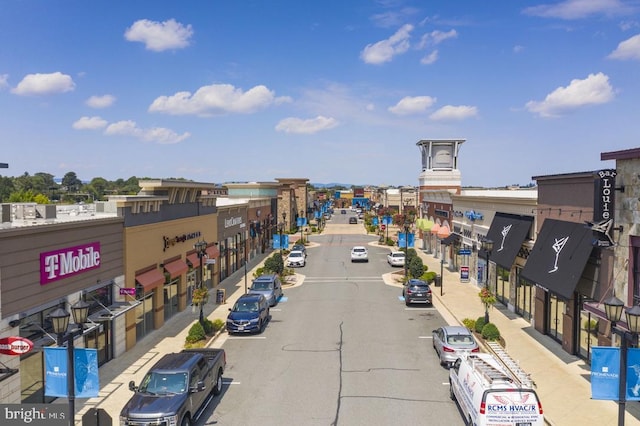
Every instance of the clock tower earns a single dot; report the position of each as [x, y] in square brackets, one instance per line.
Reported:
[440, 164]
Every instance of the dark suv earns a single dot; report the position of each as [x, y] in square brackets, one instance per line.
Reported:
[417, 291]
[270, 286]
[249, 314]
[353, 220]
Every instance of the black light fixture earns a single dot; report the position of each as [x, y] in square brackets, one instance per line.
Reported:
[60, 323]
[201, 251]
[487, 245]
[613, 309]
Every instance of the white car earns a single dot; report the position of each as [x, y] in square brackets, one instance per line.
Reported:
[359, 254]
[396, 258]
[295, 258]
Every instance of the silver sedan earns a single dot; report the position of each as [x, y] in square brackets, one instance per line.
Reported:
[452, 340]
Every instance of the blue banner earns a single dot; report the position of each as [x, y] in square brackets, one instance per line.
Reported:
[402, 242]
[375, 221]
[55, 372]
[633, 374]
[387, 220]
[87, 383]
[301, 221]
[86, 368]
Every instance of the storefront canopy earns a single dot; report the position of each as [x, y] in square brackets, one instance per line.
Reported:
[507, 232]
[193, 259]
[150, 280]
[176, 268]
[213, 252]
[452, 238]
[559, 256]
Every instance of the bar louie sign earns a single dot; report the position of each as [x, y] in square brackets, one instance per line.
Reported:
[58, 264]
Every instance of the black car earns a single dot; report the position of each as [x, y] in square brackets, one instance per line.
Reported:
[343, 212]
[249, 314]
[417, 291]
[353, 220]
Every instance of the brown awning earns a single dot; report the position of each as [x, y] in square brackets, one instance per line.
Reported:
[193, 259]
[176, 268]
[150, 280]
[213, 252]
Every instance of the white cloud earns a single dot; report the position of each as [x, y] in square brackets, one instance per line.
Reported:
[159, 135]
[103, 101]
[159, 36]
[4, 83]
[308, 126]
[384, 51]
[430, 58]
[412, 105]
[89, 123]
[452, 112]
[44, 84]
[579, 9]
[434, 38]
[518, 48]
[628, 49]
[217, 99]
[593, 90]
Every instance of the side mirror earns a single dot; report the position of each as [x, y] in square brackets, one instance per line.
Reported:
[132, 386]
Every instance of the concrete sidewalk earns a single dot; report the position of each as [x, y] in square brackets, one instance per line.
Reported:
[562, 380]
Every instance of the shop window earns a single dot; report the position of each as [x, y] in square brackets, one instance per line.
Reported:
[144, 315]
[554, 317]
[503, 286]
[524, 297]
[170, 291]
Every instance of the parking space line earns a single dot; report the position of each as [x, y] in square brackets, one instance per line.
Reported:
[425, 337]
[245, 337]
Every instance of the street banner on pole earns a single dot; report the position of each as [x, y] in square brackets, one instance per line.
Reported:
[87, 383]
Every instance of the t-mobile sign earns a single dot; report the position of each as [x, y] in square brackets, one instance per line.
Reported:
[67, 262]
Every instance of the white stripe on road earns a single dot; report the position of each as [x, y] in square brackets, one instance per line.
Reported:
[245, 337]
[425, 337]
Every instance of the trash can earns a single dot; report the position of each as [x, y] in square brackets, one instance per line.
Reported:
[437, 281]
[220, 296]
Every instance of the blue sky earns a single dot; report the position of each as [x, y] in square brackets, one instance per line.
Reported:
[332, 91]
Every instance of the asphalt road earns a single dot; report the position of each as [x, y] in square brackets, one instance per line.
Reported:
[341, 349]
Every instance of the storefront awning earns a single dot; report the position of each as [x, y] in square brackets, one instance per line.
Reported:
[213, 252]
[559, 256]
[508, 232]
[113, 311]
[176, 268]
[452, 238]
[193, 259]
[150, 280]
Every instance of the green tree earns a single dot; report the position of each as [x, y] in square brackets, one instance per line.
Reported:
[416, 267]
[6, 188]
[71, 182]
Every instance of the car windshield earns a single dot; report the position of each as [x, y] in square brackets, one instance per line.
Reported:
[359, 250]
[164, 383]
[459, 339]
[245, 306]
[397, 254]
[261, 285]
[297, 254]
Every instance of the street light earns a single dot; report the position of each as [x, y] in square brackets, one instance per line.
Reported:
[201, 250]
[406, 249]
[60, 322]
[487, 245]
[301, 226]
[613, 309]
[280, 227]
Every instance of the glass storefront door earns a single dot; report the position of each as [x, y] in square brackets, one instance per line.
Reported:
[170, 291]
[144, 314]
[554, 317]
[503, 286]
[524, 297]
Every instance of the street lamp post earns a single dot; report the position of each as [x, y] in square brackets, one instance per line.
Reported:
[613, 310]
[441, 272]
[280, 227]
[201, 250]
[60, 322]
[406, 250]
[487, 245]
[301, 226]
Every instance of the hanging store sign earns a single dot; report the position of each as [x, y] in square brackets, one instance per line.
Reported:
[14, 345]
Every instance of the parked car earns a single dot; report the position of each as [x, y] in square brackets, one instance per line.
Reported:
[396, 258]
[416, 291]
[359, 254]
[452, 340]
[353, 220]
[296, 258]
[268, 285]
[249, 314]
[343, 211]
[299, 247]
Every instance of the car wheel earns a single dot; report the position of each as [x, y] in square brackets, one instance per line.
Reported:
[186, 421]
[406, 302]
[451, 394]
[217, 388]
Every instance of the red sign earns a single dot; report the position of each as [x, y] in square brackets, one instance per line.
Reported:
[383, 226]
[15, 345]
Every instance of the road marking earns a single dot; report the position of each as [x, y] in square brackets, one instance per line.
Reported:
[418, 309]
[425, 337]
[275, 310]
[230, 382]
[283, 299]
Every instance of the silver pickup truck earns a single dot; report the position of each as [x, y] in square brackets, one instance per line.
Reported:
[176, 390]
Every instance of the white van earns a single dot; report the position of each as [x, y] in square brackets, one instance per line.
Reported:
[489, 393]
